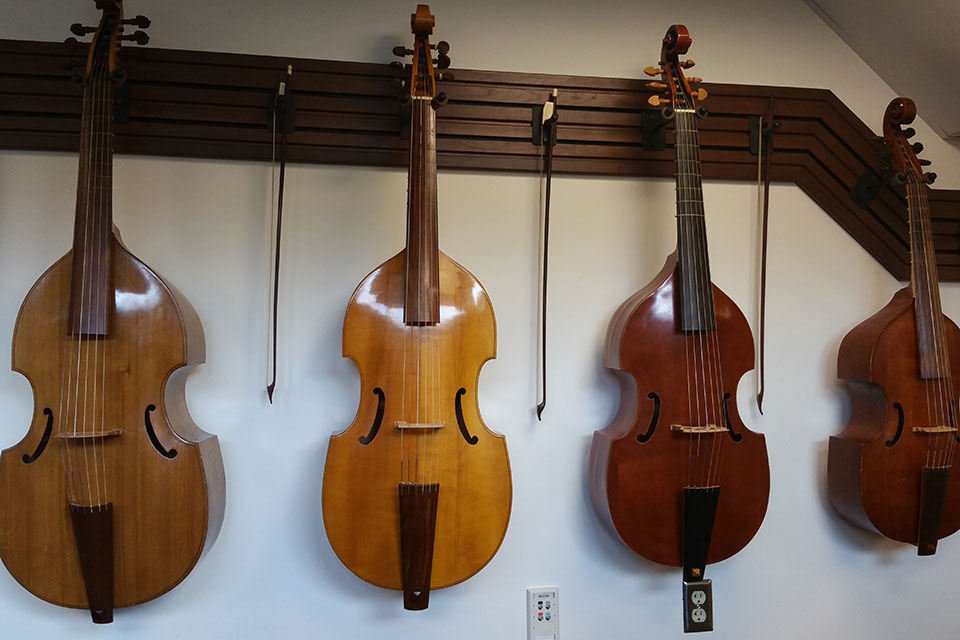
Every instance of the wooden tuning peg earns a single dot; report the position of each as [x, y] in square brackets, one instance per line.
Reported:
[140, 37]
[924, 163]
[442, 47]
[653, 71]
[402, 51]
[78, 29]
[701, 94]
[140, 22]
[694, 79]
[929, 177]
[909, 132]
[686, 64]
[442, 61]
[656, 101]
[657, 85]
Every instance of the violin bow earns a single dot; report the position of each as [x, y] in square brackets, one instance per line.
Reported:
[282, 108]
[548, 138]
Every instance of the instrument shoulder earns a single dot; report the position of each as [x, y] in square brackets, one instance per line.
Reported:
[857, 349]
[618, 322]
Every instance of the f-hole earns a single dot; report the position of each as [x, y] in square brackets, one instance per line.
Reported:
[172, 453]
[43, 441]
[643, 437]
[956, 435]
[896, 436]
[463, 427]
[736, 437]
[381, 404]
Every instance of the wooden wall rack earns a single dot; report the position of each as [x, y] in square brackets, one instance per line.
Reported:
[216, 105]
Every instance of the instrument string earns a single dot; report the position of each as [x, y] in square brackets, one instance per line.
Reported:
[706, 365]
[66, 367]
[922, 295]
[916, 274]
[919, 214]
[97, 271]
[688, 273]
[107, 283]
[421, 153]
[710, 324]
[718, 438]
[945, 440]
[86, 269]
[943, 351]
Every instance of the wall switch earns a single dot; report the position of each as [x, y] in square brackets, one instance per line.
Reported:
[697, 606]
[543, 614]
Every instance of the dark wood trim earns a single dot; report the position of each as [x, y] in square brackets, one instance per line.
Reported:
[214, 105]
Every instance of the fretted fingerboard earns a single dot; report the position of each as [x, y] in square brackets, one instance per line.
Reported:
[926, 288]
[422, 299]
[693, 264]
[91, 292]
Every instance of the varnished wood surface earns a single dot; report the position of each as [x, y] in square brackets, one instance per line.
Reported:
[212, 105]
[360, 482]
[871, 484]
[637, 488]
[166, 511]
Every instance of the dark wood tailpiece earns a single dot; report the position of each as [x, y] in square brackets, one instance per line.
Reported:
[418, 522]
[93, 531]
[933, 494]
[699, 509]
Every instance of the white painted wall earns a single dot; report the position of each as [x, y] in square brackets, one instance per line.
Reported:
[204, 225]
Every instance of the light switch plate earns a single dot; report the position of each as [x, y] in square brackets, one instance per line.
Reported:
[543, 613]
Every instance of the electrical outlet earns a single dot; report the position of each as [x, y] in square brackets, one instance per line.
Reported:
[697, 606]
[543, 613]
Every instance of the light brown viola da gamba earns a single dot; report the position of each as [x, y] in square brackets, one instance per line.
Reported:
[676, 475]
[890, 470]
[417, 491]
[114, 492]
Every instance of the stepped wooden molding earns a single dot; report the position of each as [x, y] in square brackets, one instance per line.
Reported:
[217, 105]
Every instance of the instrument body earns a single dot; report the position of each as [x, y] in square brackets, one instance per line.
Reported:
[361, 511]
[166, 511]
[874, 485]
[114, 492]
[890, 469]
[637, 488]
[417, 491]
[676, 475]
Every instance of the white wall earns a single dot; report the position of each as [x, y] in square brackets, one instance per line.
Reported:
[204, 226]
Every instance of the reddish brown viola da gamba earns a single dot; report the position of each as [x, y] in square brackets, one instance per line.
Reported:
[890, 470]
[676, 475]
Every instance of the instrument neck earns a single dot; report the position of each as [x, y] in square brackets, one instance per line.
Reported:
[923, 280]
[90, 291]
[422, 298]
[693, 264]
